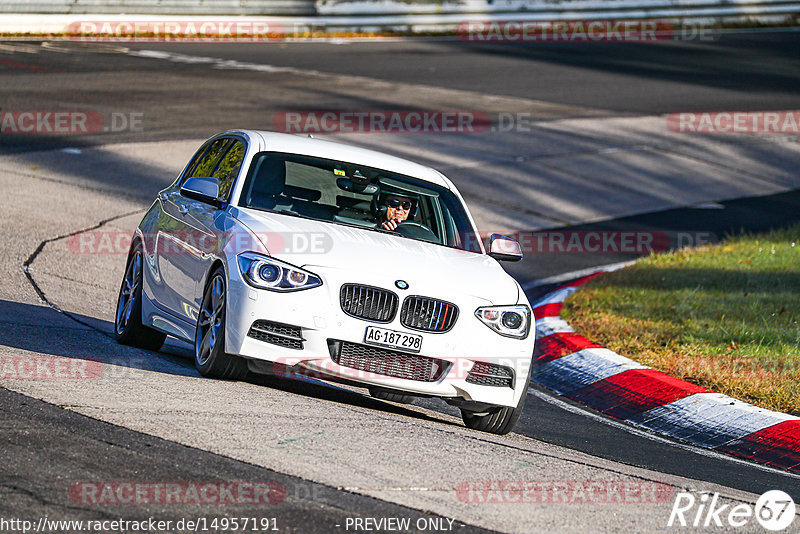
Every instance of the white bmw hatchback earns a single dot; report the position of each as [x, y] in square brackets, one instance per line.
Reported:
[277, 253]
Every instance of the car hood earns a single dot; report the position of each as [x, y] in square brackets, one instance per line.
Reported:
[346, 253]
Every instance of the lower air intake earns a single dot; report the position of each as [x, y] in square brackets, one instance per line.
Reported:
[386, 362]
[490, 374]
[277, 334]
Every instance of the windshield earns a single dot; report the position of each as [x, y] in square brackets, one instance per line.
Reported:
[357, 195]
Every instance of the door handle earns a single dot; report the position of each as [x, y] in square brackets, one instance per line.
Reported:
[183, 209]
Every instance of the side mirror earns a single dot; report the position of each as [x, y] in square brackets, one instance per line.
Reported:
[203, 189]
[504, 248]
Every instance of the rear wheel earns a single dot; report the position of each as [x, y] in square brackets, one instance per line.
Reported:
[128, 327]
[210, 357]
[499, 419]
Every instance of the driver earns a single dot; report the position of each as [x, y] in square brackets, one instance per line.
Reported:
[398, 208]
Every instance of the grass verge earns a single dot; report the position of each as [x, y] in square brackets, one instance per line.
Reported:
[722, 316]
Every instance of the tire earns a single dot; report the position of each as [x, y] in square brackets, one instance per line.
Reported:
[386, 395]
[128, 327]
[210, 357]
[497, 420]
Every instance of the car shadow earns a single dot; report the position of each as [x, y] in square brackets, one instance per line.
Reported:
[40, 330]
[37, 330]
[332, 392]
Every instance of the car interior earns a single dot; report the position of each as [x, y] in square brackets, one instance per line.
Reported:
[345, 194]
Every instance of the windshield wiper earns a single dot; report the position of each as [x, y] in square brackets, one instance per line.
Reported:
[285, 212]
[385, 231]
[370, 228]
[295, 214]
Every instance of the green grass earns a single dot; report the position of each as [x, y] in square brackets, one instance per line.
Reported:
[723, 316]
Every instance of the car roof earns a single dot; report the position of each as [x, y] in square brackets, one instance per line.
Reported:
[308, 146]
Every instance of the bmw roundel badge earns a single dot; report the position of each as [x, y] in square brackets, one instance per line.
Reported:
[401, 284]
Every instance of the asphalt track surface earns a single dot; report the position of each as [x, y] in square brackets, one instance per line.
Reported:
[659, 78]
[45, 445]
[735, 71]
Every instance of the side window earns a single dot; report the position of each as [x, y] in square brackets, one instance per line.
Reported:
[193, 163]
[228, 168]
[211, 158]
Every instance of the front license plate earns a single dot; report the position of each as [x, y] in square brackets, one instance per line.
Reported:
[392, 338]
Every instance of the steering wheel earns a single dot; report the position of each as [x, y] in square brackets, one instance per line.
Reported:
[415, 230]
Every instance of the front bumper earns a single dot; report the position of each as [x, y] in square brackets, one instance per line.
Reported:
[324, 327]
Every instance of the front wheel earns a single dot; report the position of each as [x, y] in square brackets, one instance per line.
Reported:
[128, 327]
[210, 357]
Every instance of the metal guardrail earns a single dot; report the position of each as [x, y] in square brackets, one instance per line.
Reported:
[303, 16]
[161, 7]
[521, 7]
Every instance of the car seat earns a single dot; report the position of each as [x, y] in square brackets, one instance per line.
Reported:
[269, 180]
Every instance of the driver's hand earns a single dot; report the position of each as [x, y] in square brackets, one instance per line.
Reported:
[391, 224]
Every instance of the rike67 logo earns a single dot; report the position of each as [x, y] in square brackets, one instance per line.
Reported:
[774, 510]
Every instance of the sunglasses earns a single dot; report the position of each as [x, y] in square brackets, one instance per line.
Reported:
[397, 203]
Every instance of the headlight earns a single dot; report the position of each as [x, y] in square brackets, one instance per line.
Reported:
[264, 272]
[511, 321]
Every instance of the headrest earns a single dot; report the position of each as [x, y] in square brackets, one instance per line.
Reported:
[270, 177]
